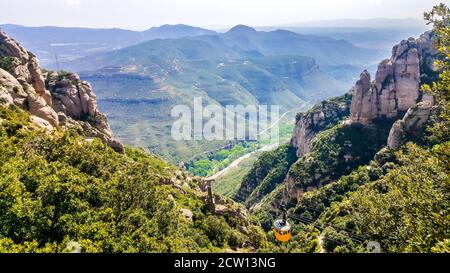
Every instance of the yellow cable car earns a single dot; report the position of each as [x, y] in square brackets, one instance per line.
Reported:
[282, 230]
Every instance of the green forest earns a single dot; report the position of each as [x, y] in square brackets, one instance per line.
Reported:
[59, 190]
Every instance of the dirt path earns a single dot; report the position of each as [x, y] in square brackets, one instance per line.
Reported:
[321, 242]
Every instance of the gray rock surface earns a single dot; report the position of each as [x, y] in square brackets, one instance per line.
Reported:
[412, 124]
[396, 87]
[53, 99]
[309, 124]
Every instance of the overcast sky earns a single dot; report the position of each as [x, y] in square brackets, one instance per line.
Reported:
[142, 14]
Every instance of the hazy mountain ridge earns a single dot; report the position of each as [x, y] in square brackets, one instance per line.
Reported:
[238, 43]
[376, 33]
[72, 43]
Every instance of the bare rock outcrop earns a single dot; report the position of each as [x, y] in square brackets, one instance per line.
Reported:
[76, 106]
[15, 91]
[23, 66]
[396, 87]
[37, 106]
[412, 124]
[53, 99]
[319, 118]
[5, 96]
[72, 96]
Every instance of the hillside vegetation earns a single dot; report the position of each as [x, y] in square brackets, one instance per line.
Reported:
[60, 190]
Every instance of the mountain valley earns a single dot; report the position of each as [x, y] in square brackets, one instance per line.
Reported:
[90, 163]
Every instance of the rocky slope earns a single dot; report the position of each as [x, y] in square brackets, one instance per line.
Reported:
[319, 118]
[53, 99]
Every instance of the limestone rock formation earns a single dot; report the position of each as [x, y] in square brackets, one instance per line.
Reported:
[72, 96]
[14, 90]
[397, 82]
[37, 106]
[53, 99]
[23, 66]
[411, 124]
[319, 118]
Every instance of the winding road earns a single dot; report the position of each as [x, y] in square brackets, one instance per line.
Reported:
[235, 163]
[266, 148]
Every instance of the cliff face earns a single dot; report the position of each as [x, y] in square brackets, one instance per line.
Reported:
[53, 99]
[396, 87]
[319, 118]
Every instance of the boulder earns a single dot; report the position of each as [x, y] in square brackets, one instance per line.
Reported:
[5, 97]
[13, 87]
[396, 135]
[412, 124]
[42, 123]
[38, 107]
[187, 214]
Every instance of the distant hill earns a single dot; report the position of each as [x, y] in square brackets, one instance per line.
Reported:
[378, 33]
[239, 42]
[174, 31]
[72, 43]
[325, 50]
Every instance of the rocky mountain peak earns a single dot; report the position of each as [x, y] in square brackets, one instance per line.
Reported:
[23, 66]
[54, 99]
[396, 87]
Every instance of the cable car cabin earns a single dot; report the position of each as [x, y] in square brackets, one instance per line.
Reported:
[282, 231]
